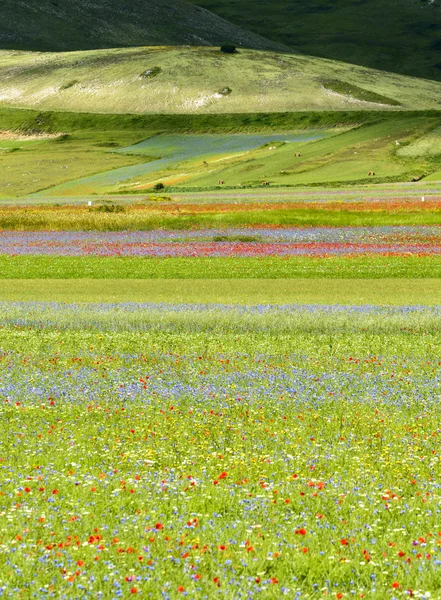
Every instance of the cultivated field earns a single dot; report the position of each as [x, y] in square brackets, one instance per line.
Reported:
[220, 389]
[59, 155]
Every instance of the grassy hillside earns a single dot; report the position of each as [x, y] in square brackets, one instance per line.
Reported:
[201, 80]
[402, 36]
[62, 25]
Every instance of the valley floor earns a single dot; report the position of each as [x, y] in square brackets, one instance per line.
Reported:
[220, 389]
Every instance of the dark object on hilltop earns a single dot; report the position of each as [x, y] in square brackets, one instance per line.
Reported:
[228, 49]
[158, 187]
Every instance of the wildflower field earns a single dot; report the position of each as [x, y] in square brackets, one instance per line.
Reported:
[206, 450]
[230, 393]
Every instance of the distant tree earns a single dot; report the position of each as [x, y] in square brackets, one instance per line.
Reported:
[228, 49]
[158, 187]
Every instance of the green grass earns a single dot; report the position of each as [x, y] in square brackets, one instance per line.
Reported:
[169, 153]
[360, 267]
[346, 89]
[42, 164]
[78, 163]
[24, 120]
[110, 81]
[428, 145]
[230, 291]
[403, 37]
[345, 156]
[28, 218]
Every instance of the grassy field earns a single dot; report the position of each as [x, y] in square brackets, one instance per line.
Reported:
[182, 217]
[273, 267]
[131, 157]
[248, 292]
[29, 166]
[164, 452]
[403, 37]
[225, 426]
[202, 80]
[335, 156]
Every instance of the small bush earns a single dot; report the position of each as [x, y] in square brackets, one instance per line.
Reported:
[64, 137]
[226, 91]
[69, 84]
[109, 208]
[228, 49]
[158, 199]
[158, 187]
[150, 73]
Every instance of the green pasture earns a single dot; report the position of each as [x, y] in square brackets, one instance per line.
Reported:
[171, 153]
[339, 156]
[131, 157]
[231, 291]
[195, 79]
[94, 267]
[29, 166]
[426, 145]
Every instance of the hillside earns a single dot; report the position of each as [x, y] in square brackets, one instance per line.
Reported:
[201, 80]
[63, 25]
[402, 36]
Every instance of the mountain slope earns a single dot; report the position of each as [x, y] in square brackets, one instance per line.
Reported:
[393, 35]
[202, 80]
[63, 25]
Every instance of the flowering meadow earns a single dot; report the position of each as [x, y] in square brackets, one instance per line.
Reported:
[203, 451]
[242, 242]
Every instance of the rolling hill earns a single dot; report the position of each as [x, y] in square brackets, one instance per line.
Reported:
[201, 80]
[63, 25]
[403, 36]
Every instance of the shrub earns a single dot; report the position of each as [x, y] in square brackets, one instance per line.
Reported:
[228, 49]
[109, 208]
[226, 91]
[64, 137]
[150, 73]
[69, 84]
[158, 187]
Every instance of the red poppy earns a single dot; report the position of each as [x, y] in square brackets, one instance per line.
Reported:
[301, 531]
